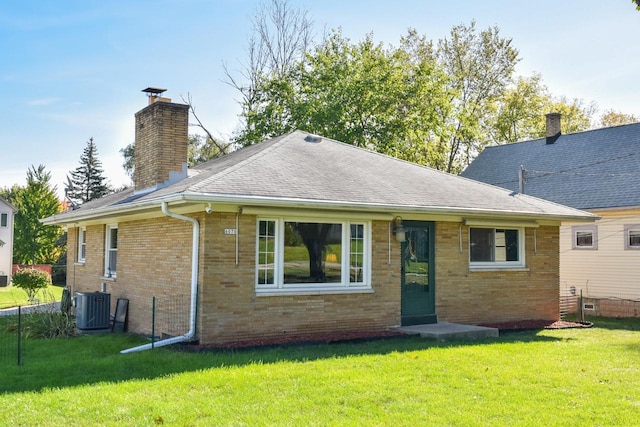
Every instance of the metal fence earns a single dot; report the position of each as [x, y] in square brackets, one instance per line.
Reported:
[170, 316]
[11, 339]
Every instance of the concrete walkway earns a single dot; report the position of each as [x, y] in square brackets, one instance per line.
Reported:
[444, 331]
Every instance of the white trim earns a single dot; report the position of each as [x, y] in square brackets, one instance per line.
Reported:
[493, 223]
[345, 285]
[107, 251]
[591, 228]
[500, 265]
[82, 244]
[628, 228]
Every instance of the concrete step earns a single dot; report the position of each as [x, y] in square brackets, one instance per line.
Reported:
[445, 331]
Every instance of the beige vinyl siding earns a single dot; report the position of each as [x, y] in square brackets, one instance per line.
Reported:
[610, 271]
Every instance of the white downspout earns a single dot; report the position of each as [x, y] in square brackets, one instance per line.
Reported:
[194, 286]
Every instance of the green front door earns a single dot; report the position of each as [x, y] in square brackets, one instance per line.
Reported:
[417, 273]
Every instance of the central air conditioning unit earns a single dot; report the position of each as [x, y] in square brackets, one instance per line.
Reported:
[93, 310]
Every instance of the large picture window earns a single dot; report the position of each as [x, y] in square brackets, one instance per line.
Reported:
[111, 251]
[496, 247]
[307, 255]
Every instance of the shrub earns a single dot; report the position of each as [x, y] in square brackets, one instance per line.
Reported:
[31, 281]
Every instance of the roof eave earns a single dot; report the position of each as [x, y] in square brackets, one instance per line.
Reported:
[283, 202]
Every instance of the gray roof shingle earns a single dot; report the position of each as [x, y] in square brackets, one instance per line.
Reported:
[330, 173]
[585, 170]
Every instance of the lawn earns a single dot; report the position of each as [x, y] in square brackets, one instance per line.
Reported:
[11, 296]
[549, 377]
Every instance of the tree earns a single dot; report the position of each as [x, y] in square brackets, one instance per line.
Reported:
[86, 182]
[382, 99]
[34, 242]
[520, 112]
[480, 67]
[31, 281]
[200, 149]
[281, 35]
[617, 118]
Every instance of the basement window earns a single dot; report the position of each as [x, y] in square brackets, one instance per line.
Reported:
[496, 248]
[585, 237]
[302, 256]
[632, 236]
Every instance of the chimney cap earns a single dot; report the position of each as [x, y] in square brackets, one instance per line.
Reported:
[153, 91]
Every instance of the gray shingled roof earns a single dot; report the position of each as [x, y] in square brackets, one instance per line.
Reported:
[585, 170]
[291, 169]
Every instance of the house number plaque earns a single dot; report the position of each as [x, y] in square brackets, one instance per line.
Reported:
[230, 231]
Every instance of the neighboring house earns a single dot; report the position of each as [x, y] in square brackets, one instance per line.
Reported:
[301, 234]
[7, 211]
[596, 171]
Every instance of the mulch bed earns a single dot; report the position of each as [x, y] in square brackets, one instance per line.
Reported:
[537, 324]
[360, 336]
[329, 338]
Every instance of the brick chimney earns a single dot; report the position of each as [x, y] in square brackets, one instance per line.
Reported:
[553, 127]
[161, 143]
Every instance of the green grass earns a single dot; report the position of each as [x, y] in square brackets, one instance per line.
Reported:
[550, 377]
[11, 296]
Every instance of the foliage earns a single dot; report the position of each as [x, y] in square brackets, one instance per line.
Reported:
[34, 242]
[617, 118]
[480, 67]
[281, 35]
[549, 377]
[382, 99]
[31, 281]
[200, 149]
[414, 102]
[520, 113]
[87, 182]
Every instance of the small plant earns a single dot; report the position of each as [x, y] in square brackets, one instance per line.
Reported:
[31, 281]
[46, 322]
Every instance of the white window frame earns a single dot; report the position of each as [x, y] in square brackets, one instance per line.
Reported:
[345, 286]
[4, 216]
[500, 265]
[584, 229]
[628, 229]
[82, 245]
[108, 273]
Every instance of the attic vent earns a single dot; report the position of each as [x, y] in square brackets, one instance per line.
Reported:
[313, 138]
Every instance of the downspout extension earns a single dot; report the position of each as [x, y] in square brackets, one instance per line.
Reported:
[195, 248]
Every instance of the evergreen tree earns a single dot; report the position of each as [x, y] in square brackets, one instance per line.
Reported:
[86, 181]
[34, 242]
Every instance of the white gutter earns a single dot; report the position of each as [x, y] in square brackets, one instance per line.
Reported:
[195, 245]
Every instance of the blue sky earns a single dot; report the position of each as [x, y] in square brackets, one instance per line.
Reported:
[72, 70]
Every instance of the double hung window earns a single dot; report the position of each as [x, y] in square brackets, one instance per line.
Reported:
[4, 220]
[82, 244]
[111, 251]
[302, 255]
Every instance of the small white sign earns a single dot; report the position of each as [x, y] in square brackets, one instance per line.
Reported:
[230, 231]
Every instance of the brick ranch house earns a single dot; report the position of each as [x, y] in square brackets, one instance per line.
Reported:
[302, 234]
